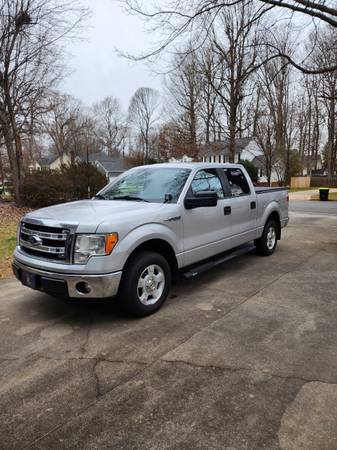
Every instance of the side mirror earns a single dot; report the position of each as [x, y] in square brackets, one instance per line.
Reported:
[201, 199]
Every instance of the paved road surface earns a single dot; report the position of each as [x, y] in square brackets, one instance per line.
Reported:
[244, 357]
[314, 207]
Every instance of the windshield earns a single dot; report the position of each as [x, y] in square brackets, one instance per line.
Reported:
[147, 184]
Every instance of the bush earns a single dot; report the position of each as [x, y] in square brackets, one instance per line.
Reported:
[253, 172]
[48, 187]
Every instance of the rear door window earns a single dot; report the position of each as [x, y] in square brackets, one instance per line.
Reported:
[238, 183]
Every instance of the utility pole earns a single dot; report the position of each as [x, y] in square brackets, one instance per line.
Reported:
[88, 172]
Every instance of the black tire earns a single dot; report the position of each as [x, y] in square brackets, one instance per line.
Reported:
[263, 245]
[129, 291]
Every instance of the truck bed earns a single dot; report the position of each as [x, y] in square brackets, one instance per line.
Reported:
[266, 190]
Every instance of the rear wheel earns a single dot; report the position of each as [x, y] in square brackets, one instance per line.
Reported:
[145, 284]
[267, 243]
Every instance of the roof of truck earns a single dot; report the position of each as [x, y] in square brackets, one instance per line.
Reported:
[193, 165]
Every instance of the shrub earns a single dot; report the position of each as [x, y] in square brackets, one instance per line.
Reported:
[48, 187]
[253, 172]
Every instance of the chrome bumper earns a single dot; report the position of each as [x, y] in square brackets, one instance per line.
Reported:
[98, 286]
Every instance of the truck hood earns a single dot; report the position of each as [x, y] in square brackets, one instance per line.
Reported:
[89, 214]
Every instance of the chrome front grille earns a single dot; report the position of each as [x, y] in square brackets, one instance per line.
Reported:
[46, 242]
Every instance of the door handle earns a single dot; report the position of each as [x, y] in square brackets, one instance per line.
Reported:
[227, 210]
[252, 205]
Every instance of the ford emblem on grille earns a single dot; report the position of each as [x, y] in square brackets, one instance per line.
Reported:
[35, 240]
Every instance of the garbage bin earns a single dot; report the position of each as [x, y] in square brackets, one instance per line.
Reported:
[324, 194]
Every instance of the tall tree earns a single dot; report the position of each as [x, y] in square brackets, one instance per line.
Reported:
[143, 114]
[29, 63]
[235, 44]
[110, 125]
[185, 89]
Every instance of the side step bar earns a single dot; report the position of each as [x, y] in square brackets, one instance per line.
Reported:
[224, 257]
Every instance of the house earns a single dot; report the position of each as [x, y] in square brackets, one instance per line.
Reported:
[110, 166]
[182, 159]
[245, 149]
[49, 162]
[312, 167]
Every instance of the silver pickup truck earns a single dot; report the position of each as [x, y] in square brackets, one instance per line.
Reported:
[143, 228]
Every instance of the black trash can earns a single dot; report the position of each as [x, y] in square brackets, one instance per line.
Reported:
[324, 194]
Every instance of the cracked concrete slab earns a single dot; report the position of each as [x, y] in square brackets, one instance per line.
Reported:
[310, 421]
[177, 406]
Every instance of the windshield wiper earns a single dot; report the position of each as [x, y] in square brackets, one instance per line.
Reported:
[129, 197]
[99, 197]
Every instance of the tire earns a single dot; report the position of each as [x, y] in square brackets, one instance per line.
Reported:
[267, 243]
[145, 284]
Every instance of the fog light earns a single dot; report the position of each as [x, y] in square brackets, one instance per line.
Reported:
[83, 287]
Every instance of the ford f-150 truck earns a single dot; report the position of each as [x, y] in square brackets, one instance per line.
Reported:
[144, 227]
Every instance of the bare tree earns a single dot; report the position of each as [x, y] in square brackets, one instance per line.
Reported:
[110, 125]
[29, 32]
[143, 114]
[209, 108]
[325, 53]
[235, 47]
[184, 88]
[180, 19]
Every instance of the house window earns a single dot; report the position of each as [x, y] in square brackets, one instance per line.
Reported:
[210, 159]
[261, 173]
[239, 156]
[219, 158]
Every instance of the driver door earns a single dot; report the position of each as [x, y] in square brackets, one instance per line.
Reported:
[206, 228]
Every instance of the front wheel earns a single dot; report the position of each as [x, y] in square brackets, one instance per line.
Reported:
[145, 284]
[266, 245]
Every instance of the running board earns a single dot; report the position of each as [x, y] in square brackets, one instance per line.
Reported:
[196, 270]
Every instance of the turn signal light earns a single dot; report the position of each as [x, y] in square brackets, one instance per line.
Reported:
[110, 242]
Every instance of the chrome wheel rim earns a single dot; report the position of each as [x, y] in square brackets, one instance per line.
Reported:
[271, 238]
[151, 284]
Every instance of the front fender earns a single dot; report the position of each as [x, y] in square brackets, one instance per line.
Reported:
[138, 236]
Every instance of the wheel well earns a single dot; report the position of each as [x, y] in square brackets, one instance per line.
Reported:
[158, 246]
[276, 218]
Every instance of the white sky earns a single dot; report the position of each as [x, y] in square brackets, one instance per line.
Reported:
[96, 69]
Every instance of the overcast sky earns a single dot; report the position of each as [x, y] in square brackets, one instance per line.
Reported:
[97, 71]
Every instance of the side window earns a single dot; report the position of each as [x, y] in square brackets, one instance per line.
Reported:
[237, 182]
[207, 180]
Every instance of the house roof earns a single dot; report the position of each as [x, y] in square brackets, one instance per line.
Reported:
[222, 147]
[109, 163]
[259, 162]
[46, 160]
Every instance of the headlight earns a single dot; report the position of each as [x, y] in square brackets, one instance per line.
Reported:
[87, 245]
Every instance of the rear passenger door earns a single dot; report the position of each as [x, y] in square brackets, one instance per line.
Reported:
[243, 206]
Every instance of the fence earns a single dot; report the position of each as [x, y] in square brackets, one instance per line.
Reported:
[308, 182]
[323, 182]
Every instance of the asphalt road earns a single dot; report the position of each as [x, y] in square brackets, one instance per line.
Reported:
[243, 357]
[314, 207]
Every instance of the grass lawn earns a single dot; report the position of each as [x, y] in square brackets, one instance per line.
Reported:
[7, 245]
[332, 196]
[302, 189]
[9, 219]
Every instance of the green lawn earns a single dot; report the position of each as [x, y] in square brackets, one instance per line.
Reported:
[7, 245]
[302, 189]
[332, 196]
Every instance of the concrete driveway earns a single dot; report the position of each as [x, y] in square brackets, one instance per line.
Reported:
[243, 357]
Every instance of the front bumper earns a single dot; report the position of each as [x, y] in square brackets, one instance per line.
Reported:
[59, 284]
